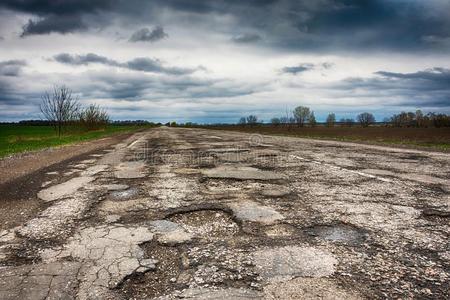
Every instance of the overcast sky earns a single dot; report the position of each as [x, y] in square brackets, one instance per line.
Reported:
[217, 60]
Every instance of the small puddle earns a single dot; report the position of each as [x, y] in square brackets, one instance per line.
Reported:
[340, 233]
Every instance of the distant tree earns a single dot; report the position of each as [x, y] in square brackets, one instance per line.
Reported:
[365, 119]
[59, 107]
[312, 119]
[331, 120]
[252, 120]
[93, 117]
[439, 120]
[347, 122]
[404, 119]
[275, 121]
[173, 124]
[242, 121]
[420, 119]
[396, 120]
[386, 121]
[301, 115]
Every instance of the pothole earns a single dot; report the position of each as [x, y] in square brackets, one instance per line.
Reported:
[158, 282]
[435, 215]
[339, 233]
[207, 223]
[124, 194]
[241, 173]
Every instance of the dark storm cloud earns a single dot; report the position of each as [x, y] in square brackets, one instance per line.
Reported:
[298, 69]
[147, 35]
[306, 67]
[6, 96]
[56, 16]
[152, 65]
[136, 87]
[66, 7]
[11, 67]
[52, 24]
[378, 23]
[430, 87]
[327, 25]
[246, 38]
[437, 76]
[334, 24]
[14, 98]
[77, 60]
[144, 64]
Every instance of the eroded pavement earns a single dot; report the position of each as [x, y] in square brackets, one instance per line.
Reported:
[197, 214]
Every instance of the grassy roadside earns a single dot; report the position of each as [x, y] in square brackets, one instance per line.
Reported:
[20, 138]
[437, 139]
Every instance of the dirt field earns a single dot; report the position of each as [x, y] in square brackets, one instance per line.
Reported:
[415, 138]
[174, 213]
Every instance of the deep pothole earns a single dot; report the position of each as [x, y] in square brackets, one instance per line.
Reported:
[338, 233]
[158, 282]
[209, 224]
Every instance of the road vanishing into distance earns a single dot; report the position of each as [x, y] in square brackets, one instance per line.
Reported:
[176, 213]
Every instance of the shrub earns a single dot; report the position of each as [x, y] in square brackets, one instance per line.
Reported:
[93, 117]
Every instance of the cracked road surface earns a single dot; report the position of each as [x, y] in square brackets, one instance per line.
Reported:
[174, 213]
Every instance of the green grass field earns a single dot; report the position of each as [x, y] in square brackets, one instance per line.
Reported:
[19, 138]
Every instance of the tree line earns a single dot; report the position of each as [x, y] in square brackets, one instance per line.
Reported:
[419, 119]
[60, 108]
[302, 116]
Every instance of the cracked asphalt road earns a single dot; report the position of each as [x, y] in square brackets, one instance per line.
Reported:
[174, 213]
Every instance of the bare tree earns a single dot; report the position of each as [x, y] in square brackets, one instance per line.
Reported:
[365, 119]
[312, 119]
[275, 121]
[252, 120]
[287, 119]
[347, 122]
[242, 121]
[59, 108]
[420, 119]
[93, 117]
[331, 120]
[301, 115]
